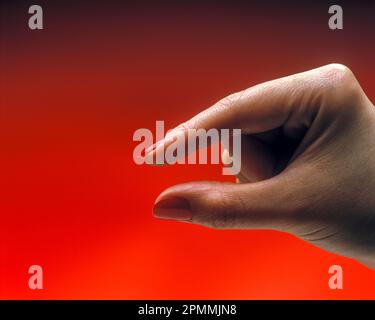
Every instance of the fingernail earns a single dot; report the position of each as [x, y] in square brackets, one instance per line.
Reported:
[226, 159]
[173, 208]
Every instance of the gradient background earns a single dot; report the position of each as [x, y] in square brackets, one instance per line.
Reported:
[71, 198]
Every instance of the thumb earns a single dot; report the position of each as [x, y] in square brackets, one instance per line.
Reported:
[266, 204]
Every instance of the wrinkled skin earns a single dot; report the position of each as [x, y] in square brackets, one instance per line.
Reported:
[308, 163]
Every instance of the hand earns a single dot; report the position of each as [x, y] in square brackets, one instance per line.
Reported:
[308, 164]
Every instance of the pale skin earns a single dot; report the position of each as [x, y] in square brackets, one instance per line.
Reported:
[308, 164]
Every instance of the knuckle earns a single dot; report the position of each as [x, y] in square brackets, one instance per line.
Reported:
[184, 126]
[338, 71]
[222, 212]
[229, 101]
[342, 87]
[340, 79]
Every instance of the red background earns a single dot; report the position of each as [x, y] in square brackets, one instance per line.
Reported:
[71, 198]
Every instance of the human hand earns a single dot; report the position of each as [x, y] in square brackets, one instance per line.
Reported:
[307, 164]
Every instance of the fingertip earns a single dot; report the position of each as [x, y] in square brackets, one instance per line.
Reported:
[173, 208]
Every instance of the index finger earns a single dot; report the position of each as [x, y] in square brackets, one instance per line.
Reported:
[260, 108]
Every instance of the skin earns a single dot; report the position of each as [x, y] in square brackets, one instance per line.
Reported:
[308, 164]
